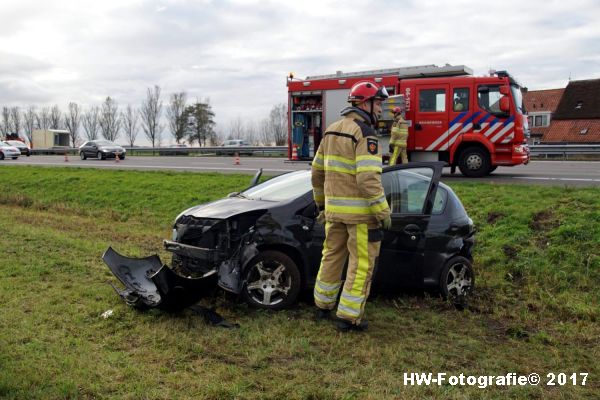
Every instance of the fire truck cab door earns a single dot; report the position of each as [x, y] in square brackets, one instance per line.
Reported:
[431, 117]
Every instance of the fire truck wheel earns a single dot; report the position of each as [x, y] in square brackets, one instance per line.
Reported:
[474, 162]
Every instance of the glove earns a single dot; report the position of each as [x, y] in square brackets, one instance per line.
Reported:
[321, 218]
[386, 223]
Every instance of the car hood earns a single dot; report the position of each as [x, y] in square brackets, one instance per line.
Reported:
[226, 208]
[10, 148]
[111, 148]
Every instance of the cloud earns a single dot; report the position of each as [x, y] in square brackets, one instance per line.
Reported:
[238, 52]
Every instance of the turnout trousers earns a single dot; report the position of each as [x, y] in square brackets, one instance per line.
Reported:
[399, 152]
[343, 240]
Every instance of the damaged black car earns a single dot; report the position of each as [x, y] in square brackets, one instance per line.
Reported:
[265, 244]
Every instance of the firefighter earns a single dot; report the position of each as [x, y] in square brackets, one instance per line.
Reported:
[398, 138]
[346, 180]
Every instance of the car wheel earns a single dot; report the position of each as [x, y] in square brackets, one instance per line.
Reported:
[122, 157]
[100, 156]
[14, 158]
[474, 162]
[272, 281]
[1, 155]
[457, 280]
[82, 155]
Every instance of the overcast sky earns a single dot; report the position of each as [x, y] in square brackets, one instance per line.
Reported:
[238, 53]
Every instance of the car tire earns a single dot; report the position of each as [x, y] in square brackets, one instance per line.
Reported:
[263, 289]
[457, 280]
[121, 157]
[100, 156]
[14, 158]
[1, 155]
[474, 162]
[82, 155]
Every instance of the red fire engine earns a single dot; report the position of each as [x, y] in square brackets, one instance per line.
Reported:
[473, 123]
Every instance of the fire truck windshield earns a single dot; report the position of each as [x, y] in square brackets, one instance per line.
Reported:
[518, 98]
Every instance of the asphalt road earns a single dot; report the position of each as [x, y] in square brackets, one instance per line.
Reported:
[569, 173]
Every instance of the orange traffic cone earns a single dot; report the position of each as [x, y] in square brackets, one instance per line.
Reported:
[66, 157]
[237, 159]
[295, 153]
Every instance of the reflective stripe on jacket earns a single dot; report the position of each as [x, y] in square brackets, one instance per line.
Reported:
[399, 133]
[346, 172]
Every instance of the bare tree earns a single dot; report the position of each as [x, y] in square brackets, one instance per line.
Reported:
[5, 125]
[43, 118]
[109, 119]
[236, 128]
[129, 119]
[175, 115]
[278, 120]
[16, 120]
[265, 132]
[91, 123]
[29, 118]
[150, 113]
[72, 121]
[55, 117]
[251, 133]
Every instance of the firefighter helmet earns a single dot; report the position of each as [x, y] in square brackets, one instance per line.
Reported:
[363, 91]
[396, 110]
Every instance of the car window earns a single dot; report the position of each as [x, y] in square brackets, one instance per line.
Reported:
[441, 198]
[282, 187]
[406, 189]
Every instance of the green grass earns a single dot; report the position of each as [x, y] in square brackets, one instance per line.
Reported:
[536, 308]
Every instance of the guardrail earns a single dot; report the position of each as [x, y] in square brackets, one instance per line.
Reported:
[183, 151]
[564, 150]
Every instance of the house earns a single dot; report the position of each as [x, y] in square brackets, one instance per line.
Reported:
[540, 106]
[577, 117]
[48, 138]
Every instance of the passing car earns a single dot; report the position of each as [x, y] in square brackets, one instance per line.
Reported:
[265, 244]
[23, 148]
[101, 149]
[8, 151]
[232, 146]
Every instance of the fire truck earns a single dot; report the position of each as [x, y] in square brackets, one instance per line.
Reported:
[475, 123]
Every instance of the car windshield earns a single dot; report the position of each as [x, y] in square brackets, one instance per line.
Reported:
[281, 188]
[105, 143]
[4, 144]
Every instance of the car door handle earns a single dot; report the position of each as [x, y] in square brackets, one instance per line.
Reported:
[418, 127]
[412, 229]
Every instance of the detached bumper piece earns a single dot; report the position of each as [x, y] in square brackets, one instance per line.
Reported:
[150, 284]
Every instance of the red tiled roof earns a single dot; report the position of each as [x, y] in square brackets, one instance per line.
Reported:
[570, 131]
[581, 100]
[542, 100]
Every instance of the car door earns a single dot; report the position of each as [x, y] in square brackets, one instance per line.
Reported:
[431, 118]
[410, 191]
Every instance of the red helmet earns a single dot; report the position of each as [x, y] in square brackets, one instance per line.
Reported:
[363, 91]
[396, 110]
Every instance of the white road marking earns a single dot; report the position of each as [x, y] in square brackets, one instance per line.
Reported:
[540, 178]
[153, 167]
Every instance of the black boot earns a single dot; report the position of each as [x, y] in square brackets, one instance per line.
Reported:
[322, 314]
[343, 325]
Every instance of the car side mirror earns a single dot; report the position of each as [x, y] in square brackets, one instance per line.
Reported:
[504, 104]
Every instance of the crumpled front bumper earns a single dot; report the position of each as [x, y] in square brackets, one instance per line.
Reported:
[149, 283]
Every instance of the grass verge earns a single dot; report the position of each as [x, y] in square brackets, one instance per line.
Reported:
[536, 306]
